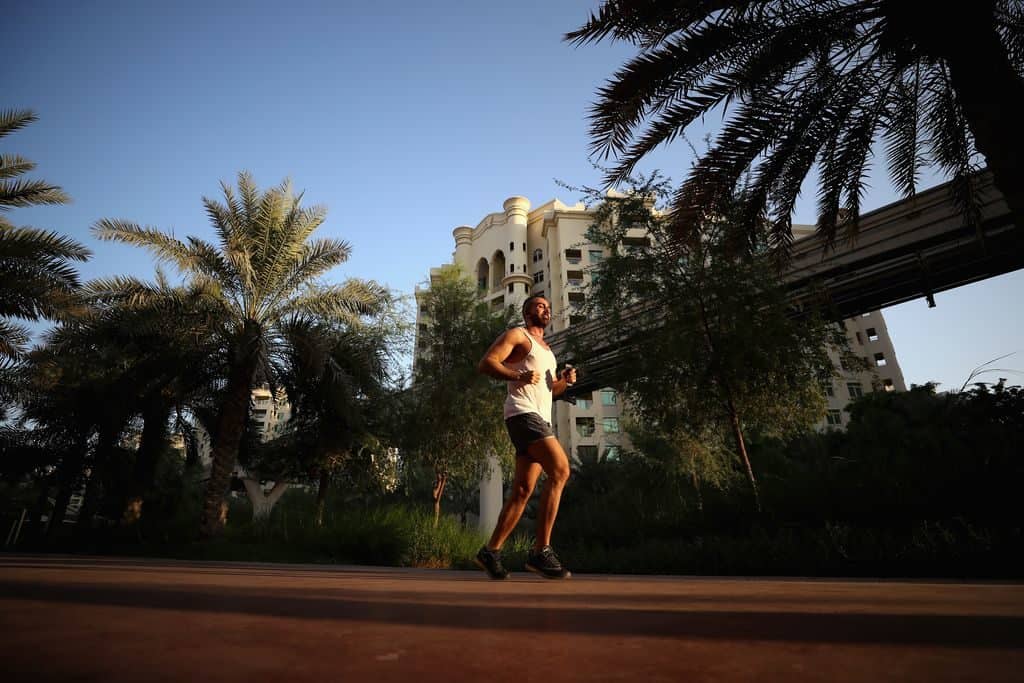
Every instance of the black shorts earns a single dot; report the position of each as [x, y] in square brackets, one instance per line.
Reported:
[526, 428]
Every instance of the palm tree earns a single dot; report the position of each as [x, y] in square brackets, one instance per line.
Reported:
[807, 82]
[36, 280]
[334, 375]
[156, 346]
[264, 273]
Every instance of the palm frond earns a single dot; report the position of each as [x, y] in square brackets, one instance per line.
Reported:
[30, 193]
[347, 302]
[165, 247]
[13, 340]
[13, 119]
[12, 165]
[28, 242]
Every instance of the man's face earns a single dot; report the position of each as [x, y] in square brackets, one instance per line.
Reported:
[538, 312]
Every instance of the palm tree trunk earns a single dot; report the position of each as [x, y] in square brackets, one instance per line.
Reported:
[154, 437]
[321, 495]
[230, 427]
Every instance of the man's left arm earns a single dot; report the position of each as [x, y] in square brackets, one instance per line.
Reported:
[565, 380]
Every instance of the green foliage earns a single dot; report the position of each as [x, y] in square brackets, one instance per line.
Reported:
[804, 83]
[921, 484]
[36, 278]
[705, 333]
[265, 279]
[452, 413]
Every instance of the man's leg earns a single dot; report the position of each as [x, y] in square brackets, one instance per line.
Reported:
[549, 455]
[522, 487]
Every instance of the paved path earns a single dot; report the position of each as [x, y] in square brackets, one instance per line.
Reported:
[98, 619]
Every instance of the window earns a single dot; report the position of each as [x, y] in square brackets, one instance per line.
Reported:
[636, 242]
[577, 298]
[584, 403]
[829, 391]
[833, 417]
[880, 359]
[855, 389]
[860, 340]
[524, 246]
[608, 397]
[585, 426]
[526, 288]
[595, 255]
[511, 246]
[574, 278]
[612, 452]
[538, 276]
[610, 425]
[538, 254]
[481, 283]
[586, 454]
[887, 385]
[511, 267]
[573, 255]
[511, 288]
[872, 334]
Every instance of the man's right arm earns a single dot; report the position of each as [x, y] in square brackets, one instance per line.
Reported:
[493, 362]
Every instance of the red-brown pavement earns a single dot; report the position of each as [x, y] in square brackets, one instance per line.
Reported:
[103, 619]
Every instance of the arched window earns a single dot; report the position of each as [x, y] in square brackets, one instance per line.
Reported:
[497, 269]
[538, 254]
[482, 274]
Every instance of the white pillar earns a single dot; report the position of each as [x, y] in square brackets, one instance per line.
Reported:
[490, 495]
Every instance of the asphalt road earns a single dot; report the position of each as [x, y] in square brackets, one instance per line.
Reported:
[101, 619]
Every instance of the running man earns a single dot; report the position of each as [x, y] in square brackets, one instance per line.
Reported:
[522, 358]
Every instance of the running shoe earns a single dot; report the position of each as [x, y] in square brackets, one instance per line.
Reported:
[490, 562]
[547, 564]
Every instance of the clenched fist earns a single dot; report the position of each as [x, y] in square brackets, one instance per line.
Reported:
[528, 377]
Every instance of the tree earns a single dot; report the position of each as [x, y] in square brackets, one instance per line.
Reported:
[712, 348]
[36, 280]
[333, 376]
[265, 272]
[806, 82]
[454, 413]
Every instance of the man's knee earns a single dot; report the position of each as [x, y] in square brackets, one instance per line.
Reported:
[521, 492]
[559, 473]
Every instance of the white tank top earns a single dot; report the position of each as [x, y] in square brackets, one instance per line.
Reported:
[524, 397]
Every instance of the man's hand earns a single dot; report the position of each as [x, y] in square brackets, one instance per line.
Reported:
[528, 377]
[569, 375]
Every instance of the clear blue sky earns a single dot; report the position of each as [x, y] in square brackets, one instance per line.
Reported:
[405, 119]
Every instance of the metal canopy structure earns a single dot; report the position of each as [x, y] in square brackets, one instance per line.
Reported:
[906, 250]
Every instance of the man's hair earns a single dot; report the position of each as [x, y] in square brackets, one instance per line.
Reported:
[526, 304]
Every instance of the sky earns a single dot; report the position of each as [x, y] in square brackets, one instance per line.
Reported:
[404, 119]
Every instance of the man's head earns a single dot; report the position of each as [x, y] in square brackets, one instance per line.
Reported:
[536, 311]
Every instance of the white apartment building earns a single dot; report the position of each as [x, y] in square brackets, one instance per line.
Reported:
[869, 339]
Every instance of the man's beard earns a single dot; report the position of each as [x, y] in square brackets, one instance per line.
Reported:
[534, 321]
